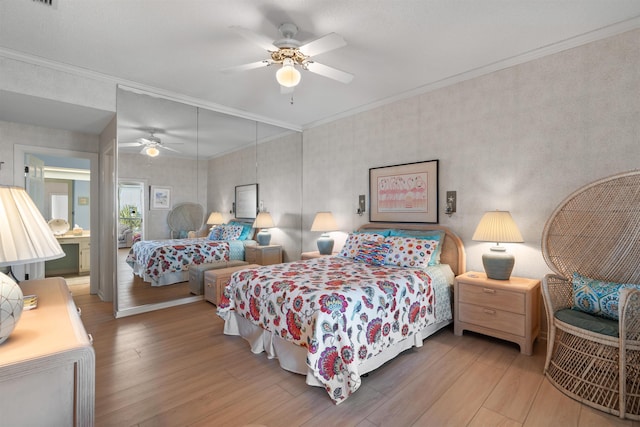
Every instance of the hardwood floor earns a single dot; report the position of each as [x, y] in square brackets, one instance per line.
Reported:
[174, 367]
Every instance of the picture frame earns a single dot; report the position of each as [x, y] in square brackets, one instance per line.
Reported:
[404, 193]
[159, 197]
[246, 201]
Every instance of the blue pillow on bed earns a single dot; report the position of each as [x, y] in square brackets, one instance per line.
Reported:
[247, 230]
[437, 235]
[386, 232]
[372, 252]
[215, 233]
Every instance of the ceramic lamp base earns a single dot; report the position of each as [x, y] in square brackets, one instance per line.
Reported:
[264, 238]
[10, 306]
[325, 245]
[498, 264]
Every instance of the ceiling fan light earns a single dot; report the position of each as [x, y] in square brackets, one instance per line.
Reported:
[151, 151]
[288, 76]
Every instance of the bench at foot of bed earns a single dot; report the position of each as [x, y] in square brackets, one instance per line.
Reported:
[196, 273]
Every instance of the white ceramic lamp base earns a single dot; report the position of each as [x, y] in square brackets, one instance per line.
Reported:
[10, 306]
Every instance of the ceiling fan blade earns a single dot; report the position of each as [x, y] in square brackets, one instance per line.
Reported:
[323, 44]
[164, 147]
[330, 72]
[245, 67]
[258, 39]
[129, 144]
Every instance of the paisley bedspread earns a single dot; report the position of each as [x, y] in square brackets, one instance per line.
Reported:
[150, 259]
[342, 311]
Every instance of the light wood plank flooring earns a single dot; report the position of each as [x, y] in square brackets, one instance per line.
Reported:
[174, 367]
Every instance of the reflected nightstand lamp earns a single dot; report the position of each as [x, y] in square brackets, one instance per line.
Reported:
[215, 218]
[25, 237]
[264, 222]
[497, 226]
[324, 222]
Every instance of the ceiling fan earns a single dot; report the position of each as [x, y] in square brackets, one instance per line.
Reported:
[151, 145]
[293, 54]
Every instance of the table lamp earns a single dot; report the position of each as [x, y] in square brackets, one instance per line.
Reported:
[497, 226]
[215, 218]
[25, 237]
[324, 222]
[264, 222]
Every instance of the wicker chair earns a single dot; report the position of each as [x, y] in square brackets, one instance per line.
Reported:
[596, 233]
[185, 218]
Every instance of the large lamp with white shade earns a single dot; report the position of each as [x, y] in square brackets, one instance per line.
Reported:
[25, 237]
[497, 226]
[324, 222]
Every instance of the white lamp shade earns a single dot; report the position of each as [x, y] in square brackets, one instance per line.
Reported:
[324, 221]
[264, 220]
[215, 218]
[25, 236]
[497, 226]
[288, 76]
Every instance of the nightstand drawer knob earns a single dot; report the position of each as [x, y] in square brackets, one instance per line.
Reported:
[488, 311]
[488, 291]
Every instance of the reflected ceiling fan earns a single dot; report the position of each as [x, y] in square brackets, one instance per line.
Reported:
[151, 145]
[293, 55]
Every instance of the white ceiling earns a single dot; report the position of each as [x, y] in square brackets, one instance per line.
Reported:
[394, 48]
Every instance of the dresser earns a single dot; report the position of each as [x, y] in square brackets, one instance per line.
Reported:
[47, 365]
[505, 309]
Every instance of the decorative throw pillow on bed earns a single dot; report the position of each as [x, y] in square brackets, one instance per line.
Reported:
[215, 233]
[352, 245]
[372, 252]
[437, 235]
[247, 230]
[409, 251]
[231, 232]
[597, 297]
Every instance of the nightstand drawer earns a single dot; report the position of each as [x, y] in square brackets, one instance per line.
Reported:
[491, 318]
[491, 297]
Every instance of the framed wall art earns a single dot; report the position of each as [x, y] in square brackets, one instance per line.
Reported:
[246, 205]
[404, 193]
[159, 197]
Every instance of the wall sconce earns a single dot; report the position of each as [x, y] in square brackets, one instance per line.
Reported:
[451, 203]
[361, 205]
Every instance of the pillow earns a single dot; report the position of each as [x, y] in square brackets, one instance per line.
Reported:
[437, 235]
[372, 252]
[386, 232]
[215, 233]
[247, 229]
[409, 251]
[231, 232]
[597, 297]
[352, 245]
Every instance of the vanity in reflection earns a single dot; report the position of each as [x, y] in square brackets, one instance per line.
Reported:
[77, 249]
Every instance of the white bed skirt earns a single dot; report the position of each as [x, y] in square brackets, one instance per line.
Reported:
[293, 358]
[164, 279]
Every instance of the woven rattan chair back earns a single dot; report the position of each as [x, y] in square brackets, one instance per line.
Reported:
[185, 217]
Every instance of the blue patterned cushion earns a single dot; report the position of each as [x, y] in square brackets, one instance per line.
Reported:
[409, 251]
[215, 233]
[597, 297]
[372, 252]
[247, 230]
[352, 245]
[231, 232]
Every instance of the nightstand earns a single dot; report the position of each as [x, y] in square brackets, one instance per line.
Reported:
[505, 309]
[314, 254]
[263, 255]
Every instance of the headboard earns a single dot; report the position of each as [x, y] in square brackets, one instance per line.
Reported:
[185, 217]
[453, 252]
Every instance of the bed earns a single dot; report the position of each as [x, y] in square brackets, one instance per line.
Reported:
[165, 262]
[336, 318]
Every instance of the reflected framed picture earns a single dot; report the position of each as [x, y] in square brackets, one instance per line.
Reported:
[246, 205]
[159, 197]
[404, 193]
